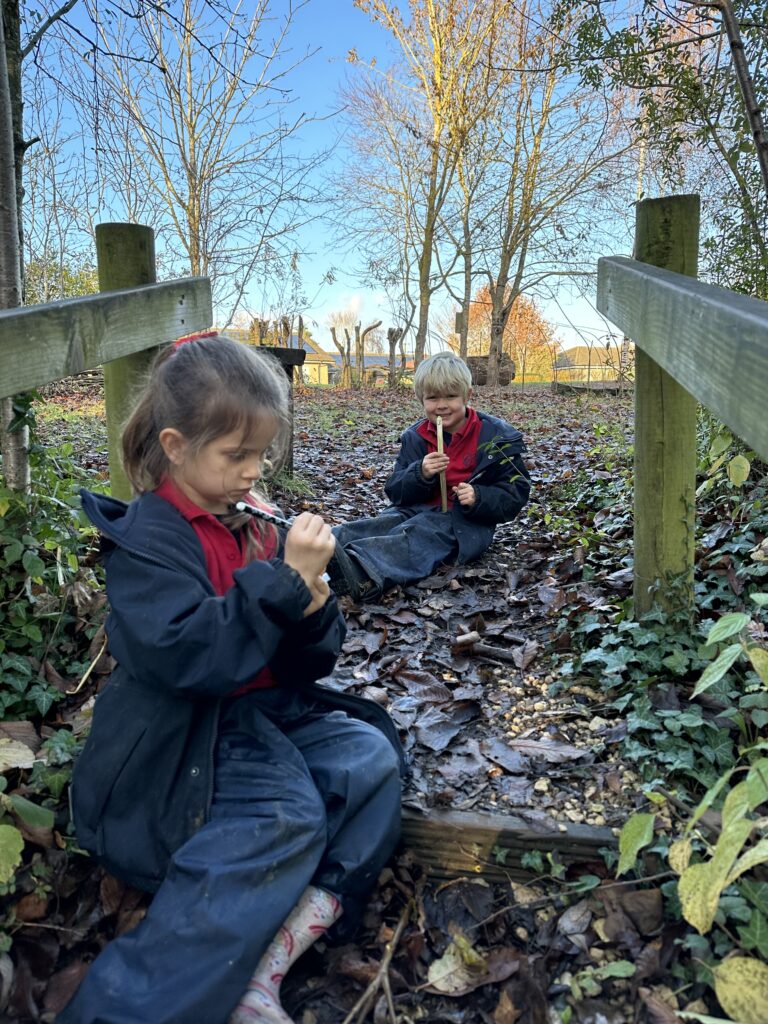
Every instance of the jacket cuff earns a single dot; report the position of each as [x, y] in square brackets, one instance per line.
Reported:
[284, 594]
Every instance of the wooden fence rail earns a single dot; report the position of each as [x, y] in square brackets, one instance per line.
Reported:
[696, 343]
[42, 344]
[711, 340]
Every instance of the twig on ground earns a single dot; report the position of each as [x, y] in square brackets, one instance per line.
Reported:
[469, 643]
[359, 1011]
[90, 669]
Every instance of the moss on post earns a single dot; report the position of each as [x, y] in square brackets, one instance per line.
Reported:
[666, 235]
[126, 258]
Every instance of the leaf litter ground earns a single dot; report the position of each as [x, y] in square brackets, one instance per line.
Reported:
[483, 733]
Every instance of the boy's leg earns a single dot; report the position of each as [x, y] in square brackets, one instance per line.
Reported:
[227, 892]
[410, 549]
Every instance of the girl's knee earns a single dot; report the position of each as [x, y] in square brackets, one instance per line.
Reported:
[382, 760]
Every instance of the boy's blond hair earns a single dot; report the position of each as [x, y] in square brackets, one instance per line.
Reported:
[442, 374]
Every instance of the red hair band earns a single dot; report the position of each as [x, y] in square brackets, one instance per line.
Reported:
[195, 337]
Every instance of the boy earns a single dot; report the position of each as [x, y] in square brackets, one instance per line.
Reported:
[487, 484]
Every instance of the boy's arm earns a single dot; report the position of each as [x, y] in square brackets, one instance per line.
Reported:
[407, 485]
[502, 488]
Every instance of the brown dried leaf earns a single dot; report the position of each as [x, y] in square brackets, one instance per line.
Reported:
[506, 1012]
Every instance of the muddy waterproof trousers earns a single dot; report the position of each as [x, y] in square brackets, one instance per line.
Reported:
[400, 546]
[302, 796]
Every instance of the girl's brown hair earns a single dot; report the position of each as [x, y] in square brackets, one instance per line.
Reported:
[204, 388]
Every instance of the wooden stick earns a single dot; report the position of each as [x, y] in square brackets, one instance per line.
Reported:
[443, 484]
[360, 1010]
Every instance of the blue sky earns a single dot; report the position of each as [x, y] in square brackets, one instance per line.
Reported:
[331, 28]
[328, 30]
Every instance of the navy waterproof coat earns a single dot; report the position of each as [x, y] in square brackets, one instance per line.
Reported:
[501, 481]
[143, 784]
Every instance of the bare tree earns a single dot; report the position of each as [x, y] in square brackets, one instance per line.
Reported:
[557, 152]
[446, 47]
[208, 136]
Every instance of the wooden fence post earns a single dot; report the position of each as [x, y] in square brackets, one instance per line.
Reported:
[667, 236]
[125, 255]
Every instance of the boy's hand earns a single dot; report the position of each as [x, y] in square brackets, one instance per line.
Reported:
[308, 547]
[433, 464]
[320, 592]
[466, 494]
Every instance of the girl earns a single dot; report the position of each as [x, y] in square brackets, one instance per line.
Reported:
[258, 805]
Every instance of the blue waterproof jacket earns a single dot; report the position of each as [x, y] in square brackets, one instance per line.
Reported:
[501, 481]
[144, 782]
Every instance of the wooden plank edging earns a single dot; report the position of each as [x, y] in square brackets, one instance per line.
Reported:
[452, 843]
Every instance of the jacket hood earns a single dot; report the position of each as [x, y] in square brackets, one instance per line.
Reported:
[147, 525]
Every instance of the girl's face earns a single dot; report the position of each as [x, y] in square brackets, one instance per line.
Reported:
[222, 471]
[452, 408]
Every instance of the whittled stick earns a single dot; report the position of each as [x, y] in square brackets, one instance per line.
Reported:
[443, 484]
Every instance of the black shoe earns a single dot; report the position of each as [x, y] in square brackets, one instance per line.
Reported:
[347, 577]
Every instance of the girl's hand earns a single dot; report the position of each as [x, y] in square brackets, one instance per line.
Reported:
[465, 493]
[433, 464]
[320, 592]
[309, 545]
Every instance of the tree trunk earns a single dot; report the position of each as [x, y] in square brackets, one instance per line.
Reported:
[14, 445]
[499, 319]
[394, 334]
[359, 377]
[346, 375]
[363, 336]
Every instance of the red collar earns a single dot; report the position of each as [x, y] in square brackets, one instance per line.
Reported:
[173, 494]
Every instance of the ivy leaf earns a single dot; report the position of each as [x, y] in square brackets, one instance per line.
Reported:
[636, 833]
[43, 697]
[13, 552]
[11, 845]
[755, 892]
[714, 672]
[34, 566]
[761, 600]
[741, 986]
[755, 934]
[677, 662]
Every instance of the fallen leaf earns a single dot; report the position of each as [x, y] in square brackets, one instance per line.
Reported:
[548, 750]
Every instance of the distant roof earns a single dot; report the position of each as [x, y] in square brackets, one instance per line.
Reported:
[585, 355]
[371, 359]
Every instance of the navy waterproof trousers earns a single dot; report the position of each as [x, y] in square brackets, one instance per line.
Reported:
[302, 796]
[400, 546]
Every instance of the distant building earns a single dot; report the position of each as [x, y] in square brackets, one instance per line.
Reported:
[588, 363]
[324, 368]
[375, 366]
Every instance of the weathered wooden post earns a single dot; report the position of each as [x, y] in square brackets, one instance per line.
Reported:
[667, 236]
[125, 256]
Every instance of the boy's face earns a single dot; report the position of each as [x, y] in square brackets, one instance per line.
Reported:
[451, 407]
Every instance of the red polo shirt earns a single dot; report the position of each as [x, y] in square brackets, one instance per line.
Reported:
[461, 448]
[224, 553]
